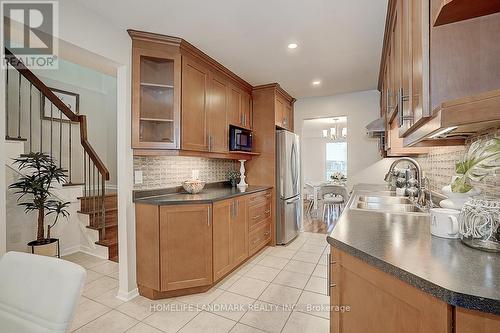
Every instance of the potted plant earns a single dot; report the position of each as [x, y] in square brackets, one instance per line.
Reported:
[481, 159]
[233, 176]
[35, 195]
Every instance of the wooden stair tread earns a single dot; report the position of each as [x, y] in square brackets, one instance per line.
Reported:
[108, 225]
[89, 212]
[107, 242]
[72, 184]
[107, 195]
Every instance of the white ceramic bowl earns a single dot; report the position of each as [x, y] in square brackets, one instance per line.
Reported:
[193, 186]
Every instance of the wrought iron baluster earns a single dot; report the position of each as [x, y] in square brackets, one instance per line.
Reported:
[69, 155]
[85, 177]
[19, 109]
[93, 193]
[51, 126]
[103, 209]
[7, 101]
[42, 110]
[31, 117]
[60, 137]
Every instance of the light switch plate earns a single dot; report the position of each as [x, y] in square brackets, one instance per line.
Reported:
[138, 177]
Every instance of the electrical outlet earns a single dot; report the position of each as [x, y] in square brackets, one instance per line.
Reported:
[138, 177]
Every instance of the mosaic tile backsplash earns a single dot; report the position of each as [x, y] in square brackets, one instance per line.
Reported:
[439, 166]
[171, 171]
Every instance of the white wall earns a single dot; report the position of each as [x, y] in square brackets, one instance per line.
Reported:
[364, 164]
[88, 30]
[86, 37]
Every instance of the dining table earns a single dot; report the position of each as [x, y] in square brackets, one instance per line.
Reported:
[318, 185]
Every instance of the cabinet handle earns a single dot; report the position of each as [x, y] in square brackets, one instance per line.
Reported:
[328, 273]
[267, 211]
[208, 217]
[402, 98]
[266, 233]
[268, 195]
[244, 119]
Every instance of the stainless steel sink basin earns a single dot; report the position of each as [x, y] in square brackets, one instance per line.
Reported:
[395, 208]
[384, 200]
[385, 203]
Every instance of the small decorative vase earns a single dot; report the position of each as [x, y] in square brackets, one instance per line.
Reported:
[242, 185]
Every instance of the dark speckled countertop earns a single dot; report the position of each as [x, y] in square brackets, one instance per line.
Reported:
[210, 193]
[401, 245]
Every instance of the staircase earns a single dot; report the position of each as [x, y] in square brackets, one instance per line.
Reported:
[27, 97]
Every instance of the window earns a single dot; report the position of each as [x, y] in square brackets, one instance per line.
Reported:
[336, 158]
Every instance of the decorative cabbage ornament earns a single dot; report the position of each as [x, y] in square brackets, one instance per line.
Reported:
[482, 159]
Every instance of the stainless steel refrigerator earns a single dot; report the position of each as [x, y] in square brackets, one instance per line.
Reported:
[288, 205]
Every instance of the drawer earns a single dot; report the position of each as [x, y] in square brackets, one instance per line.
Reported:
[259, 237]
[258, 213]
[259, 197]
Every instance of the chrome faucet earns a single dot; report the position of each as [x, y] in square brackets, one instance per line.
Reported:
[421, 193]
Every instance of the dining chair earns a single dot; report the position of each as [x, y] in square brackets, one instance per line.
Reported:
[38, 294]
[334, 198]
[309, 197]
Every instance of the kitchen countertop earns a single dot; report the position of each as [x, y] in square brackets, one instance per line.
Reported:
[208, 195]
[401, 245]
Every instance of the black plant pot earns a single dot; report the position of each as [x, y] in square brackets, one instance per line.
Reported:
[47, 247]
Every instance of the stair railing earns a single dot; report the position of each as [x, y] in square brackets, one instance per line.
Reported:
[95, 173]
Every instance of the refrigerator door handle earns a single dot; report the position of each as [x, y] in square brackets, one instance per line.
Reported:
[293, 166]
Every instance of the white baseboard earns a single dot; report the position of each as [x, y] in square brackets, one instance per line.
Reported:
[88, 251]
[127, 296]
[70, 250]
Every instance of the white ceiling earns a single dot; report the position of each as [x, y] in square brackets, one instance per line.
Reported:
[340, 41]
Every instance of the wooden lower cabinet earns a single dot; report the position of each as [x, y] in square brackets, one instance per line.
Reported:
[230, 235]
[469, 321]
[365, 299]
[186, 248]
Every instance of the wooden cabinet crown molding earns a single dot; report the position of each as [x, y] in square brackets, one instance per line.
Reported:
[391, 8]
[277, 89]
[187, 48]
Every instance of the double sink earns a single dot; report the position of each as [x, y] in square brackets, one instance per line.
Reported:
[385, 203]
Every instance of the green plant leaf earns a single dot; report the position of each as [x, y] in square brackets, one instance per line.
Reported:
[481, 159]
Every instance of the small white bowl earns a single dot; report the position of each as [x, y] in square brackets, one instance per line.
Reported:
[193, 186]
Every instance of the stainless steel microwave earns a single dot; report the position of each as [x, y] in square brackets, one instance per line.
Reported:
[240, 139]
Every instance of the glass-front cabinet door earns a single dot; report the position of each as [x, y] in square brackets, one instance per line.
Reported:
[156, 99]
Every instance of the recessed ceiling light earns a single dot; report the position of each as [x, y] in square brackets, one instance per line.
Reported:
[292, 46]
[316, 83]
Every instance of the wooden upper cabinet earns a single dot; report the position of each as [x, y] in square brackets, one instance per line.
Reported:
[450, 11]
[183, 99]
[185, 246]
[195, 94]
[415, 66]
[217, 114]
[279, 112]
[240, 108]
[246, 109]
[156, 94]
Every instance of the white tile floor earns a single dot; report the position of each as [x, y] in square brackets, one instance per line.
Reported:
[281, 289]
